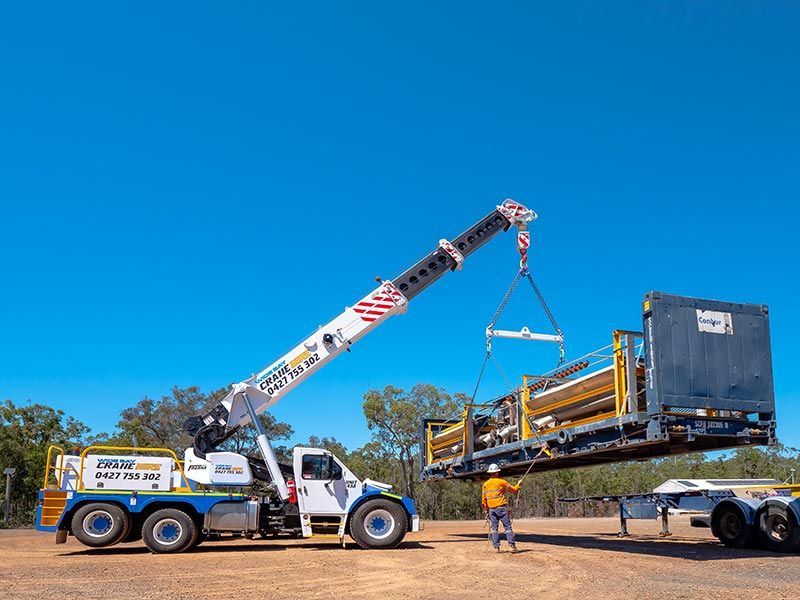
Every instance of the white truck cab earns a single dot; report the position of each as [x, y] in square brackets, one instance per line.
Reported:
[325, 486]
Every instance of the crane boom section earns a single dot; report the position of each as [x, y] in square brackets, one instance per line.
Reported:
[268, 386]
[310, 355]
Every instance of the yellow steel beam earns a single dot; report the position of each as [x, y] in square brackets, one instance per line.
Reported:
[600, 417]
[619, 373]
[49, 461]
[568, 401]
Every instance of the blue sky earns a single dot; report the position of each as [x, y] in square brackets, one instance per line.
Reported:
[185, 194]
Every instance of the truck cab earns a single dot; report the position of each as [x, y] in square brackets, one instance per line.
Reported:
[329, 493]
[108, 495]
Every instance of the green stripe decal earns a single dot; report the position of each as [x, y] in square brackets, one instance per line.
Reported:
[138, 493]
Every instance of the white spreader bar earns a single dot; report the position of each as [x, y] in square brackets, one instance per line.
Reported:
[523, 334]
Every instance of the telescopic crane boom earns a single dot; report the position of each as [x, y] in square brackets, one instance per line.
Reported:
[249, 398]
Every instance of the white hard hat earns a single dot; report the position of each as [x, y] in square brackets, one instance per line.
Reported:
[493, 468]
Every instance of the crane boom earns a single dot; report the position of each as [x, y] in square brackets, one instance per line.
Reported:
[262, 390]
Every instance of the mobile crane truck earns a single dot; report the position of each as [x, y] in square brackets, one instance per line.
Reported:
[108, 495]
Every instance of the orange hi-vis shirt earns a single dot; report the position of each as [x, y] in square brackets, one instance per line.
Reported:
[494, 492]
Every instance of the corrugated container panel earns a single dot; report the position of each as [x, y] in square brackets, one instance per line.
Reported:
[707, 354]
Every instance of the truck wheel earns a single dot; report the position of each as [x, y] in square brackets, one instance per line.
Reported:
[729, 525]
[99, 525]
[379, 524]
[134, 535]
[169, 530]
[778, 529]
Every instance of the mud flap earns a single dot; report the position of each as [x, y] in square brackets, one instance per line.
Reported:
[61, 536]
[342, 528]
[415, 524]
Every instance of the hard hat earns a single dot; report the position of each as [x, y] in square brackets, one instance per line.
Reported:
[493, 468]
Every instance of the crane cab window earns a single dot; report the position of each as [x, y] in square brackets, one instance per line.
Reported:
[315, 466]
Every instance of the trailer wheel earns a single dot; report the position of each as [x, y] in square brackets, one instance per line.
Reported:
[169, 530]
[379, 524]
[100, 525]
[728, 523]
[778, 529]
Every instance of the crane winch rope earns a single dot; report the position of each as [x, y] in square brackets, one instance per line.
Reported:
[523, 242]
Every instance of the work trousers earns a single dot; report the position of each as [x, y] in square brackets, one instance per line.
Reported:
[500, 515]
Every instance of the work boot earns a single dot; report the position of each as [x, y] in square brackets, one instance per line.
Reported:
[514, 549]
[497, 549]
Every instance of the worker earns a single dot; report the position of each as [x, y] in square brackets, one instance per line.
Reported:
[495, 504]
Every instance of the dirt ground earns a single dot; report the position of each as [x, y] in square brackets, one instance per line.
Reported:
[559, 557]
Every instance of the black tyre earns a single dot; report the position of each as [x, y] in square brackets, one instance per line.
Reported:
[778, 529]
[379, 523]
[100, 525]
[169, 530]
[729, 525]
[135, 532]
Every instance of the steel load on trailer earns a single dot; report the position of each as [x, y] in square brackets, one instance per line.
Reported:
[698, 378]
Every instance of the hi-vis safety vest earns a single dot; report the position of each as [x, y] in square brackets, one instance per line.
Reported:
[494, 492]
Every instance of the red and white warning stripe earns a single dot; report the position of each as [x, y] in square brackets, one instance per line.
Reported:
[373, 307]
[523, 240]
[515, 212]
[454, 254]
[516, 209]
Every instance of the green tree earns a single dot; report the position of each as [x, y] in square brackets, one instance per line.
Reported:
[395, 417]
[26, 431]
[159, 423]
[373, 461]
[331, 444]
[244, 440]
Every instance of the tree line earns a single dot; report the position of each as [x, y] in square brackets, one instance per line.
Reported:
[393, 416]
